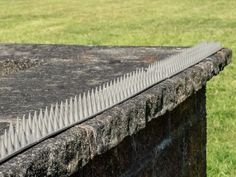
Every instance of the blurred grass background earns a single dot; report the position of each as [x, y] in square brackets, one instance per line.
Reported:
[143, 22]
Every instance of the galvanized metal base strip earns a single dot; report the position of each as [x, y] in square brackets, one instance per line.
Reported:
[46, 123]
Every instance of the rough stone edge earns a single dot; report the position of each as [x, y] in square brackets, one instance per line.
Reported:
[64, 154]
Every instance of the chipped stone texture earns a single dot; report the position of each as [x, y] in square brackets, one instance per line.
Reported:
[8, 66]
[76, 149]
[172, 145]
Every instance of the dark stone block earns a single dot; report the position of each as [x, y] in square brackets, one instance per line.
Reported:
[156, 152]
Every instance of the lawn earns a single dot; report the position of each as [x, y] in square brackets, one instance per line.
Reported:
[142, 22]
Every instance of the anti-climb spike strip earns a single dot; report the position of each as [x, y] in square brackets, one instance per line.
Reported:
[59, 117]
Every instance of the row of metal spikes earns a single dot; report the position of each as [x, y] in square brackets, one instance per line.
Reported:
[50, 121]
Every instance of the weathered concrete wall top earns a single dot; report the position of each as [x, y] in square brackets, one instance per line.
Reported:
[34, 76]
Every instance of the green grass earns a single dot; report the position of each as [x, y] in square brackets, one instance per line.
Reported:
[142, 22]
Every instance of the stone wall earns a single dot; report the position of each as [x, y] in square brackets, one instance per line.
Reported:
[172, 145]
[160, 132]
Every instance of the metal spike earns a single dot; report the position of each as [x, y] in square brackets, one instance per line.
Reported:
[101, 100]
[30, 121]
[10, 134]
[5, 139]
[3, 149]
[92, 102]
[76, 115]
[56, 118]
[61, 116]
[50, 125]
[27, 131]
[23, 122]
[80, 107]
[45, 116]
[40, 122]
[84, 103]
[71, 112]
[66, 113]
[16, 142]
[97, 100]
[44, 127]
[23, 140]
[89, 104]
[34, 127]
